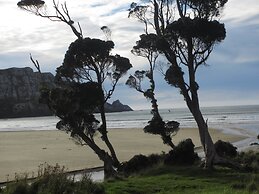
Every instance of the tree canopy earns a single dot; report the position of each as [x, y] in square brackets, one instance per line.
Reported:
[89, 60]
[186, 43]
[147, 47]
[23, 3]
[75, 107]
[85, 81]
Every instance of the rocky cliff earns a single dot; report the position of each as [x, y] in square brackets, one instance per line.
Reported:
[116, 106]
[20, 90]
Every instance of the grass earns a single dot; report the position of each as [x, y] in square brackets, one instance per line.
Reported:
[53, 180]
[179, 179]
[159, 179]
[156, 180]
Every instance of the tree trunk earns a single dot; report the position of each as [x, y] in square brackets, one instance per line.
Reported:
[103, 128]
[211, 156]
[193, 105]
[105, 138]
[206, 140]
[109, 170]
[190, 92]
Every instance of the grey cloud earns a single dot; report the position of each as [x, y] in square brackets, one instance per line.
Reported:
[97, 4]
[233, 70]
[122, 8]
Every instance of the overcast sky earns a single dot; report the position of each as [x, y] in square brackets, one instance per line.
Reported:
[232, 77]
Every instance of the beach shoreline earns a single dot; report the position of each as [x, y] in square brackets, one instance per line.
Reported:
[23, 151]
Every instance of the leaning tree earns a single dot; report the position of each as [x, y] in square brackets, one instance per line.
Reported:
[85, 81]
[186, 33]
[146, 48]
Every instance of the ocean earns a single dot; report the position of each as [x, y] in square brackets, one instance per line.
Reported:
[226, 118]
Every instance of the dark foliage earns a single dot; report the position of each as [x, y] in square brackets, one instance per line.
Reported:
[157, 126]
[88, 68]
[70, 100]
[250, 160]
[225, 149]
[174, 76]
[30, 3]
[206, 8]
[154, 126]
[206, 31]
[140, 162]
[147, 42]
[90, 59]
[81, 52]
[53, 180]
[74, 106]
[81, 83]
[54, 184]
[182, 154]
[147, 47]
[137, 10]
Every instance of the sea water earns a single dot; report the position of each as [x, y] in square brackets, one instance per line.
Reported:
[225, 118]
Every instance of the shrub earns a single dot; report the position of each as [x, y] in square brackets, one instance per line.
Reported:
[253, 185]
[155, 159]
[225, 149]
[53, 180]
[250, 160]
[140, 162]
[182, 154]
[18, 187]
[87, 186]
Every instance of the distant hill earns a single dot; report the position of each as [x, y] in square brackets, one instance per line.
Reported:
[116, 106]
[20, 91]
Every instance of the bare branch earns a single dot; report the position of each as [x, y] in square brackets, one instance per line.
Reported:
[62, 14]
[36, 63]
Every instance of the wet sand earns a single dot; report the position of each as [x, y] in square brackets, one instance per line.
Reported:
[24, 151]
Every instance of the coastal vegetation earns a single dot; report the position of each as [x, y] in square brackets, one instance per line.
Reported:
[85, 81]
[156, 178]
[146, 48]
[185, 44]
[88, 77]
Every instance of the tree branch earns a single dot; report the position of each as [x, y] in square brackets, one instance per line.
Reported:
[36, 63]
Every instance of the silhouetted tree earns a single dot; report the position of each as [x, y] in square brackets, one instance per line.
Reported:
[145, 47]
[86, 80]
[38, 8]
[186, 43]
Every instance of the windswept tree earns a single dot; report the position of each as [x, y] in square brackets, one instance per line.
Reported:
[186, 33]
[61, 13]
[85, 81]
[145, 48]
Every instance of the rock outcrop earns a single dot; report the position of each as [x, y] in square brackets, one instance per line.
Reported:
[20, 91]
[116, 106]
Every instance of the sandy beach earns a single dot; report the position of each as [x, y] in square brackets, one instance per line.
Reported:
[24, 151]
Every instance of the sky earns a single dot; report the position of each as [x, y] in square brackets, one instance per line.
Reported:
[230, 78]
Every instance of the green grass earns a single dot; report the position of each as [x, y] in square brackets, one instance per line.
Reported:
[170, 180]
[157, 180]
